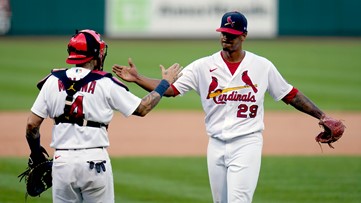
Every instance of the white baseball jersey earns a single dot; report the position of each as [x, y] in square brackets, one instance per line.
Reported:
[97, 100]
[233, 104]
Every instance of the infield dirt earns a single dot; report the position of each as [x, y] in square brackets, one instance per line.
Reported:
[176, 133]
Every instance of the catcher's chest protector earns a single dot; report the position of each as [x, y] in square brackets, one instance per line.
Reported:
[71, 87]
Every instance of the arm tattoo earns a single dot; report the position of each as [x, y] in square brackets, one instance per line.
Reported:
[32, 132]
[33, 138]
[302, 103]
[147, 104]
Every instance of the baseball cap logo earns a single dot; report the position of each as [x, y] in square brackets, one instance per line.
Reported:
[229, 22]
[233, 23]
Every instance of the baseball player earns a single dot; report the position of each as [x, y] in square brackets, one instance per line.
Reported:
[231, 84]
[81, 100]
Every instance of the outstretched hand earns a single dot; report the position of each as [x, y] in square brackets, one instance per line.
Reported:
[130, 73]
[172, 73]
[127, 73]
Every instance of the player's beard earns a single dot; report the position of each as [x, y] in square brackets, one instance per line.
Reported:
[228, 48]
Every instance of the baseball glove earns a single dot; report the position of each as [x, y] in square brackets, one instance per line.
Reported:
[333, 130]
[38, 174]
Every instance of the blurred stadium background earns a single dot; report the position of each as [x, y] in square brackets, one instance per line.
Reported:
[33, 38]
[180, 19]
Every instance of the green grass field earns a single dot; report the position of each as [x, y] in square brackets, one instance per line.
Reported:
[326, 70]
[184, 180]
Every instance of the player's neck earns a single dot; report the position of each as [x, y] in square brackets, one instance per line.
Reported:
[88, 65]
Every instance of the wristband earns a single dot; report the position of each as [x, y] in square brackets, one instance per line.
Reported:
[162, 87]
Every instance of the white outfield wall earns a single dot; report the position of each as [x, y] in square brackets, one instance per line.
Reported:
[186, 18]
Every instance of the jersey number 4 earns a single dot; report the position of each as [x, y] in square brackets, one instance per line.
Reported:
[247, 112]
[78, 106]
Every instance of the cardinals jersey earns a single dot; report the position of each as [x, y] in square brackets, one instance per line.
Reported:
[233, 104]
[97, 100]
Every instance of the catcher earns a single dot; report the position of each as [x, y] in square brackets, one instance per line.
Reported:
[81, 100]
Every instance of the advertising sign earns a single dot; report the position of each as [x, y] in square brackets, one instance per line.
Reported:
[186, 18]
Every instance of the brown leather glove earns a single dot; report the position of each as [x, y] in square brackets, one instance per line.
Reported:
[333, 130]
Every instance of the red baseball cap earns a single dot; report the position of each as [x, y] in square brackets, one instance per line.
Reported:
[233, 23]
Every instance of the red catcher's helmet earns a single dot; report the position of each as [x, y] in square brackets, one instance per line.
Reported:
[86, 45]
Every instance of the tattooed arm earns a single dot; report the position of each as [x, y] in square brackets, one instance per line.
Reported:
[147, 104]
[302, 103]
[32, 132]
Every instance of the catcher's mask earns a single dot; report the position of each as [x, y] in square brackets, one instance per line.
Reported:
[86, 45]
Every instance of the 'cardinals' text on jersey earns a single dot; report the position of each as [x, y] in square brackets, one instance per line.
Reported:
[233, 103]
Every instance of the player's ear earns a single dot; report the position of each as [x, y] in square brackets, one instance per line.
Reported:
[244, 36]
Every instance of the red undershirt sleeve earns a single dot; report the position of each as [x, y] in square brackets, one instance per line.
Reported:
[288, 98]
[176, 92]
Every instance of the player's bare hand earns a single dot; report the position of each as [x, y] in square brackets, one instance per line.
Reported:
[127, 73]
[172, 73]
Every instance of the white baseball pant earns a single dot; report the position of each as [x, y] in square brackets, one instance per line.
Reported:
[74, 181]
[233, 167]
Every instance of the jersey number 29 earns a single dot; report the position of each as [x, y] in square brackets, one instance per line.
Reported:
[244, 111]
